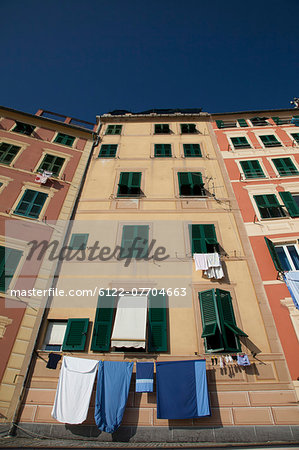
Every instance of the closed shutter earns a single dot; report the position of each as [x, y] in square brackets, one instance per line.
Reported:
[285, 166]
[252, 169]
[78, 241]
[103, 323]
[219, 123]
[31, 204]
[129, 234]
[75, 335]
[270, 141]
[9, 260]
[192, 150]
[157, 323]
[273, 254]
[243, 123]
[240, 142]
[290, 203]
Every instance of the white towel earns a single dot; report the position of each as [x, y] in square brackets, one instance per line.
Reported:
[200, 261]
[74, 389]
[213, 260]
[214, 272]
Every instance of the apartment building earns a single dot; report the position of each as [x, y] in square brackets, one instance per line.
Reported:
[261, 153]
[159, 177]
[43, 157]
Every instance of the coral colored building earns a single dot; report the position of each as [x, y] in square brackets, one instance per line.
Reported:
[261, 153]
[29, 146]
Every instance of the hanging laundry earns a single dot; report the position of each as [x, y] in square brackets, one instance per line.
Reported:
[221, 363]
[74, 389]
[144, 377]
[292, 281]
[243, 360]
[182, 390]
[43, 177]
[200, 260]
[53, 360]
[114, 378]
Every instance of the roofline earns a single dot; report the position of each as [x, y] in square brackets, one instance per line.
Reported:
[255, 111]
[105, 117]
[46, 119]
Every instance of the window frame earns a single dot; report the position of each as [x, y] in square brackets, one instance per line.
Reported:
[293, 161]
[164, 148]
[114, 128]
[16, 143]
[6, 246]
[23, 123]
[10, 146]
[279, 206]
[191, 184]
[33, 187]
[108, 156]
[126, 196]
[244, 146]
[192, 156]
[287, 254]
[243, 174]
[190, 127]
[56, 136]
[204, 245]
[162, 125]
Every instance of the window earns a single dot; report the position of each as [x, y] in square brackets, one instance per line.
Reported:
[54, 336]
[66, 335]
[78, 241]
[114, 129]
[162, 128]
[269, 206]
[270, 141]
[108, 151]
[231, 123]
[259, 121]
[31, 204]
[192, 150]
[188, 128]
[220, 331]
[64, 139]
[285, 167]
[51, 163]
[129, 184]
[162, 150]
[110, 331]
[240, 142]
[282, 120]
[190, 184]
[285, 257]
[9, 260]
[8, 152]
[296, 137]
[23, 128]
[134, 243]
[203, 238]
[252, 169]
[291, 202]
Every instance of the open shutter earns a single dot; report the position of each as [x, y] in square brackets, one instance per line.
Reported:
[226, 311]
[184, 183]
[157, 323]
[197, 240]
[75, 335]
[210, 320]
[9, 260]
[290, 203]
[103, 323]
[273, 254]
[210, 234]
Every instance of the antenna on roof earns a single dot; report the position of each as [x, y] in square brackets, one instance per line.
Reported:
[295, 102]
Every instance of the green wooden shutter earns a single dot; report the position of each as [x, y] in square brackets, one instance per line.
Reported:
[210, 320]
[270, 141]
[8, 152]
[103, 323]
[75, 335]
[78, 241]
[197, 240]
[192, 150]
[219, 123]
[9, 260]
[290, 203]
[285, 166]
[210, 234]
[240, 142]
[273, 254]
[252, 169]
[157, 323]
[226, 311]
[266, 201]
[129, 234]
[242, 123]
[276, 120]
[295, 136]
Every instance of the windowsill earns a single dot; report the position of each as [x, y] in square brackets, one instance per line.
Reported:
[184, 197]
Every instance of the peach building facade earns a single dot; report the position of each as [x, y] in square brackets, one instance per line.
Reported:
[160, 175]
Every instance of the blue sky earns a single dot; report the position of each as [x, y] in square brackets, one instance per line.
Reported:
[87, 58]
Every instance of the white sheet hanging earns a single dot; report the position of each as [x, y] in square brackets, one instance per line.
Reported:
[74, 389]
[130, 322]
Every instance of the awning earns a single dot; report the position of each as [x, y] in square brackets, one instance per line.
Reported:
[130, 322]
